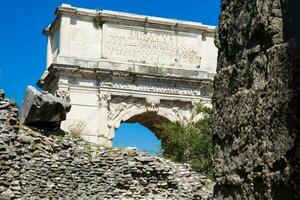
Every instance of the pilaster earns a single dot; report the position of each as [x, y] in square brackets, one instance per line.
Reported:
[103, 130]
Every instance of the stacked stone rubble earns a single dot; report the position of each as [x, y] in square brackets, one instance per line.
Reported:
[33, 166]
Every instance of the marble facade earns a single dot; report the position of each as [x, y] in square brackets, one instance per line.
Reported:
[130, 68]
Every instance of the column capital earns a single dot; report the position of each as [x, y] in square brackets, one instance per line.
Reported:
[103, 98]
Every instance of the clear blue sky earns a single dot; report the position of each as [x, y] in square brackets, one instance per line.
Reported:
[23, 47]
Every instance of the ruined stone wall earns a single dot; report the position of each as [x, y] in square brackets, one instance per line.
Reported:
[256, 100]
[36, 166]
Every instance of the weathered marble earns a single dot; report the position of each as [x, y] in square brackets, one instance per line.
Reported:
[129, 68]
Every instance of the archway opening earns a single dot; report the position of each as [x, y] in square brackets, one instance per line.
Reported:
[135, 135]
[141, 132]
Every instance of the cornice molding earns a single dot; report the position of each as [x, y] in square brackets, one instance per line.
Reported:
[113, 16]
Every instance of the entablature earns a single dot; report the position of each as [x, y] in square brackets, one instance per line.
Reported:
[124, 83]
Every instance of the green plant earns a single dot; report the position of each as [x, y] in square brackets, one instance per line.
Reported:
[97, 20]
[34, 144]
[89, 151]
[60, 137]
[190, 143]
[22, 127]
[75, 131]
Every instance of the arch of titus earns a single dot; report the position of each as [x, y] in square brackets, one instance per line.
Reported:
[127, 67]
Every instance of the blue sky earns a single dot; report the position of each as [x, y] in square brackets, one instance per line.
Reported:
[23, 47]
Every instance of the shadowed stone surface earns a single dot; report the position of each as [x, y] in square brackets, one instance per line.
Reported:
[33, 166]
[256, 100]
[42, 109]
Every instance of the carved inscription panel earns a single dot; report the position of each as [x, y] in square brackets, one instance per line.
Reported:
[152, 47]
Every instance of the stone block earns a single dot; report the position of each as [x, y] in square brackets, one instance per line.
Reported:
[42, 109]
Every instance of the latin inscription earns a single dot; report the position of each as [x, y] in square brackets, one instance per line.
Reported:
[151, 47]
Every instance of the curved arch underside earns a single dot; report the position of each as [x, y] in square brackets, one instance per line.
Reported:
[150, 120]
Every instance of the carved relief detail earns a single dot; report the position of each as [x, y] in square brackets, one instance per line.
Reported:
[63, 94]
[182, 110]
[120, 104]
[129, 106]
[152, 103]
[152, 88]
[103, 99]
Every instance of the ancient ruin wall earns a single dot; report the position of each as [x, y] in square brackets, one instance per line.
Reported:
[256, 100]
[36, 166]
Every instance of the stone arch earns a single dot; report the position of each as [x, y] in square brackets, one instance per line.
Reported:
[142, 115]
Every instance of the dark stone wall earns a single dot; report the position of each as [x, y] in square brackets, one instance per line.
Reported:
[256, 100]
